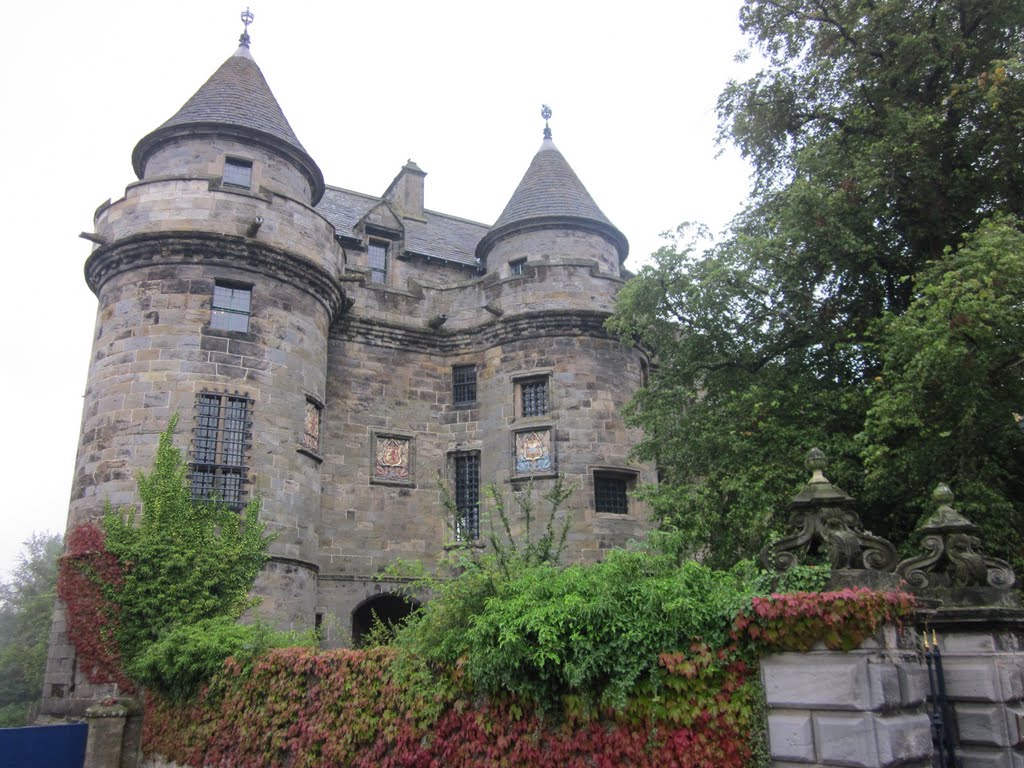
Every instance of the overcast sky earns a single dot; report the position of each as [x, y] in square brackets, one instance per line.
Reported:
[455, 86]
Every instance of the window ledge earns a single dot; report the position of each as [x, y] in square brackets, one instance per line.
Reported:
[318, 458]
[394, 483]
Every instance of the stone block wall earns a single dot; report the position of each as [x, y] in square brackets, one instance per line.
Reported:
[863, 708]
[983, 659]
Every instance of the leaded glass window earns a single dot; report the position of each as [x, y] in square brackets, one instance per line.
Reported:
[238, 173]
[464, 384]
[377, 256]
[220, 445]
[232, 305]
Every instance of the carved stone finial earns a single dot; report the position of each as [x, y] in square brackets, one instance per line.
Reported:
[816, 461]
[952, 556]
[545, 112]
[826, 526]
[247, 18]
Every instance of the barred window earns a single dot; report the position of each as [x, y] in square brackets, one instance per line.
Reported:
[377, 256]
[610, 489]
[220, 446]
[464, 384]
[533, 397]
[467, 496]
[232, 305]
[517, 267]
[237, 173]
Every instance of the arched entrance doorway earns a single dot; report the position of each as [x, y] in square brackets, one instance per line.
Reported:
[387, 609]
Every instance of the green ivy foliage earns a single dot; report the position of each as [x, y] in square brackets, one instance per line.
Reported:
[597, 629]
[154, 595]
[187, 656]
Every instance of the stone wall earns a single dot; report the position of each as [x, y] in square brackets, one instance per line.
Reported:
[983, 659]
[861, 708]
[871, 707]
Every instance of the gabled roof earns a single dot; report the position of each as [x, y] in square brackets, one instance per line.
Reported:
[236, 101]
[440, 236]
[551, 196]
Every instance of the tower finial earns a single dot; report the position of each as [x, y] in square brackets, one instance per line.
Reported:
[247, 18]
[545, 112]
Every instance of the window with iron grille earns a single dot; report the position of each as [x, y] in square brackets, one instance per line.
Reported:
[220, 447]
[237, 173]
[610, 492]
[517, 267]
[232, 304]
[377, 256]
[464, 384]
[467, 496]
[533, 397]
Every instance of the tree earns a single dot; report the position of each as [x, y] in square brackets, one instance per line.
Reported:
[26, 606]
[881, 134]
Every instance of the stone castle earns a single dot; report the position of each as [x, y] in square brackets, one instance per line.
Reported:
[340, 354]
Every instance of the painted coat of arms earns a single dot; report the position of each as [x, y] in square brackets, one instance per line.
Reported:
[392, 459]
[533, 452]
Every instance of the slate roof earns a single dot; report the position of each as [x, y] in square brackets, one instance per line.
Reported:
[551, 194]
[441, 236]
[235, 100]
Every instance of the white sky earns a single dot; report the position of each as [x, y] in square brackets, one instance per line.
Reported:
[455, 86]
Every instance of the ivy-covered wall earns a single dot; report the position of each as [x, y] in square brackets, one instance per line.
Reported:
[296, 707]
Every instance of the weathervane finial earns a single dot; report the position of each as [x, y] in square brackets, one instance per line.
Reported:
[247, 18]
[545, 112]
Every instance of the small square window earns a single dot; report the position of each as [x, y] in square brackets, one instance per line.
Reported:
[377, 257]
[238, 173]
[610, 492]
[517, 267]
[464, 384]
[232, 305]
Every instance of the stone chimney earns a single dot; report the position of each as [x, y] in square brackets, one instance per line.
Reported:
[405, 193]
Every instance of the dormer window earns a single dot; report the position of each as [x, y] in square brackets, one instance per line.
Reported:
[237, 173]
[377, 256]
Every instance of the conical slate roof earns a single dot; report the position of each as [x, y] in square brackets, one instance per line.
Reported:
[551, 196]
[236, 102]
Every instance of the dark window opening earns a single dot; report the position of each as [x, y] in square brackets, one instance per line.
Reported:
[377, 257]
[232, 305]
[220, 443]
[385, 611]
[464, 384]
[533, 397]
[610, 493]
[517, 267]
[467, 497]
[238, 173]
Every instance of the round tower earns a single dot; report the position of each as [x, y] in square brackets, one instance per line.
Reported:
[554, 265]
[217, 283]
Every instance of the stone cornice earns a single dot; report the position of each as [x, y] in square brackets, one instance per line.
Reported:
[493, 332]
[160, 248]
